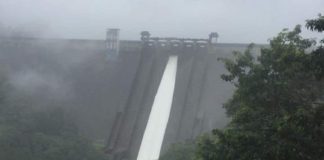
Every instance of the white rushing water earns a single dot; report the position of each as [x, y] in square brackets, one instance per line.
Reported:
[160, 112]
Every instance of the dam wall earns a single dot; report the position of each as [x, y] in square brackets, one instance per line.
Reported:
[111, 95]
[197, 101]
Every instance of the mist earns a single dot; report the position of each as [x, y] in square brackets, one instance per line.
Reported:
[59, 60]
[237, 21]
[55, 73]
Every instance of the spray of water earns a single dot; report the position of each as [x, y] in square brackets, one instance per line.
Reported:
[160, 112]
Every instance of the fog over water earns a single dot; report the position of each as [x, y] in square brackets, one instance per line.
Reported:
[241, 21]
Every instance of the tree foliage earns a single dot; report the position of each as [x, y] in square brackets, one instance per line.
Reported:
[277, 109]
[180, 151]
[316, 24]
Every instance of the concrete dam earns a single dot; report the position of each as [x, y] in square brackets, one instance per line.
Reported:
[139, 96]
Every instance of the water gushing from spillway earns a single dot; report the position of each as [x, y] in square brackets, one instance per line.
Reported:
[160, 112]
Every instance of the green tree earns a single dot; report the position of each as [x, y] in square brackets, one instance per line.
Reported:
[180, 151]
[316, 24]
[317, 55]
[276, 110]
[45, 135]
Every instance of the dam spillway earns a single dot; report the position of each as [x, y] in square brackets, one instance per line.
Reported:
[152, 120]
[160, 112]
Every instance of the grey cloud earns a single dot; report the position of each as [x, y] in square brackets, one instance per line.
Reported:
[235, 20]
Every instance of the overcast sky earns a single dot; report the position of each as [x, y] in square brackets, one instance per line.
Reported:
[240, 21]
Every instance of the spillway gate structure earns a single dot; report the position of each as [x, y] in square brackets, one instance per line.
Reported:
[186, 117]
